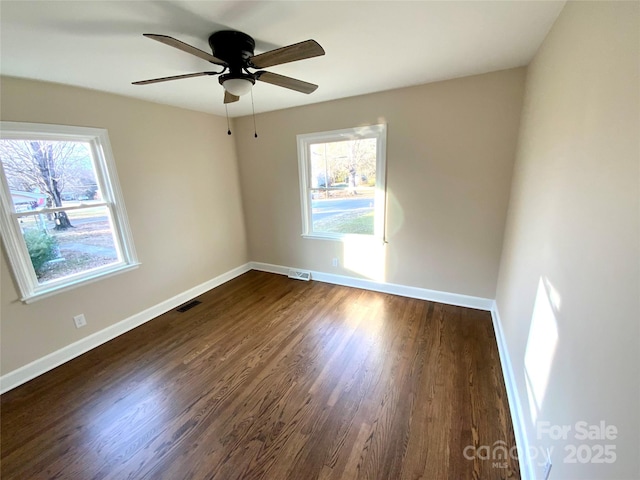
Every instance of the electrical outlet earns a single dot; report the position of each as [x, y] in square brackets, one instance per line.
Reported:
[335, 262]
[79, 320]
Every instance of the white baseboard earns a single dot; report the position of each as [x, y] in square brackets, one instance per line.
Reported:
[395, 289]
[517, 419]
[51, 361]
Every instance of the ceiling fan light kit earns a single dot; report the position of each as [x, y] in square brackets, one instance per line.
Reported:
[237, 86]
[234, 51]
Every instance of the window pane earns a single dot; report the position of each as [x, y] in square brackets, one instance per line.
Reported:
[343, 179]
[48, 173]
[343, 214]
[349, 164]
[57, 253]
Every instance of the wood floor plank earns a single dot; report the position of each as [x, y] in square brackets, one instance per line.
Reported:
[271, 378]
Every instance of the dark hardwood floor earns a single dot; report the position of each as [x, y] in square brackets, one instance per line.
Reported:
[272, 378]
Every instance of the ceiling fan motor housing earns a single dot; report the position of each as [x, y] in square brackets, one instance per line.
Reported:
[233, 47]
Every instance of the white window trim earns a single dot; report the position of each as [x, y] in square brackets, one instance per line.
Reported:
[379, 132]
[107, 178]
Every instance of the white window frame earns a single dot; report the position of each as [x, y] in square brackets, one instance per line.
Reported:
[107, 179]
[379, 132]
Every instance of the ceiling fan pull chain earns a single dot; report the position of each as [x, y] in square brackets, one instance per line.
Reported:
[255, 130]
[226, 109]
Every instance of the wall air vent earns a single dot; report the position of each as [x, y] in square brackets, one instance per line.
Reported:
[188, 305]
[300, 274]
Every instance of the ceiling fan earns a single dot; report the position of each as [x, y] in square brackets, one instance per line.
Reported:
[233, 51]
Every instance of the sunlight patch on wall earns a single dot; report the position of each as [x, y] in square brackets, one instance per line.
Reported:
[541, 345]
[395, 215]
[366, 257]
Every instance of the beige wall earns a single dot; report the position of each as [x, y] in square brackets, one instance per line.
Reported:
[573, 227]
[178, 173]
[450, 150]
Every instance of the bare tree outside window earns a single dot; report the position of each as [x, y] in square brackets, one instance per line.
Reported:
[49, 167]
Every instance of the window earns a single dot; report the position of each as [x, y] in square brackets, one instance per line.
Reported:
[342, 182]
[62, 215]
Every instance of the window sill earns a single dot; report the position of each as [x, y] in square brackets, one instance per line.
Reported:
[48, 292]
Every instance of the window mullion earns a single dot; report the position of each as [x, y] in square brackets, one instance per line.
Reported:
[67, 208]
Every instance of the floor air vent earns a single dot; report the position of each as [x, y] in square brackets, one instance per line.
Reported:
[188, 305]
[300, 274]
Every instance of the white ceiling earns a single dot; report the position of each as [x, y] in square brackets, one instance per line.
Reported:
[370, 46]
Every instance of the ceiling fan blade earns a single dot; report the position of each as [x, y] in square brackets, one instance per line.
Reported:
[230, 97]
[286, 82]
[172, 42]
[292, 53]
[175, 77]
